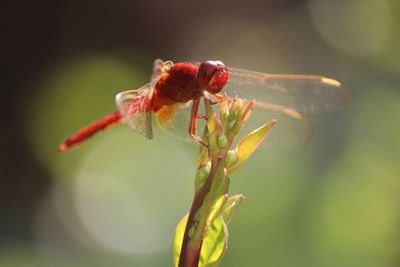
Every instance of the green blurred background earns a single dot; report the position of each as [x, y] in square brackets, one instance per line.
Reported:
[332, 201]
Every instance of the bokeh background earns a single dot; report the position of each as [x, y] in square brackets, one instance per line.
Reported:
[332, 201]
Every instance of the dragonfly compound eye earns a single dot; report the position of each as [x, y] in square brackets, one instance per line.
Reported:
[212, 76]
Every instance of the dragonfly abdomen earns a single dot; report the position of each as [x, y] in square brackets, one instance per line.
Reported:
[89, 131]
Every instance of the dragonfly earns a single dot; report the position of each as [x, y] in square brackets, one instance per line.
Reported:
[175, 92]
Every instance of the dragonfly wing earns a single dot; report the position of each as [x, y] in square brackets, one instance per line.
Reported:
[160, 68]
[306, 94]
[174, 119]
[292, 127]
[133, 105]
[286, 98]
[283, 97]
[133, 108]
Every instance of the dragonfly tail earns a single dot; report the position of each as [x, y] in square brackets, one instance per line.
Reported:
[89, 131]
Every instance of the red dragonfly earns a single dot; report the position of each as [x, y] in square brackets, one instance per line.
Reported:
[176, 90]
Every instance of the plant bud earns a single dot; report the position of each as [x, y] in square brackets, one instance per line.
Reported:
[231, 124]
[202, 174]
[231, 158]
[222, 141]
[225, 116]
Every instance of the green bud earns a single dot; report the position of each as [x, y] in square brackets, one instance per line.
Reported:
[222, 141]
[202, 175]
[237, 106]
[204, 171]
[225, 116]
[231, 124]
[238, 111]
[231, 158]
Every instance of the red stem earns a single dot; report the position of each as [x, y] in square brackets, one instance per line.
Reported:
[188, 255]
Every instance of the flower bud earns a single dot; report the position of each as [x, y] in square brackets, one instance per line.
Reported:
[202, 174]
[231, 124]
[222, 141]
[231, 158]
[225, 116]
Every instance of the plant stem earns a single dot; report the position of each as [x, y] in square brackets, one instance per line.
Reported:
[216, 185]
[189, 256]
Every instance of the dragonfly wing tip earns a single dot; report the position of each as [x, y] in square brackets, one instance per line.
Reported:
[330, 81]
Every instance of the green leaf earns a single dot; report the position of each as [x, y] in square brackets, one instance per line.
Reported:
[214, 243]
[249, 144]
[231, 206]
[217, 209]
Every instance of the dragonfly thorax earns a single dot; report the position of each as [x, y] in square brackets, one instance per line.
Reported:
[178, 85]
[185, 81]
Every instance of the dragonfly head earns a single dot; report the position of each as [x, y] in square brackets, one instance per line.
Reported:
[212, 76]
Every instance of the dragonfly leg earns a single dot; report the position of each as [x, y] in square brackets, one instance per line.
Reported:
[193, 122]
[220, 99]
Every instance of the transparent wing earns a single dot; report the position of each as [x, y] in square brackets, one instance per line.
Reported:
[159, 69]
[133, 105]
[292, 127]
[305, 94]
[174, 119]
[133, 108]
[284, 97]
[287, 98]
